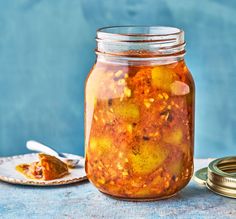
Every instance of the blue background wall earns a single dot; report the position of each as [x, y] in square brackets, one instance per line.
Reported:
[46, 51]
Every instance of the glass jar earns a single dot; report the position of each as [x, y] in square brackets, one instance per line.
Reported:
[139, 113]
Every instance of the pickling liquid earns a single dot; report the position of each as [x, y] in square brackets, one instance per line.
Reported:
[139, 129]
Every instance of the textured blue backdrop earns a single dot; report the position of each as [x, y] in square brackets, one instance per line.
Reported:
[46, 51]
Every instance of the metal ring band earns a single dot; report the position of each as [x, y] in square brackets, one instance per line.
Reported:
[222, 176]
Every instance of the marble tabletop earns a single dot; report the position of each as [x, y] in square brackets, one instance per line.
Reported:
[84, 201]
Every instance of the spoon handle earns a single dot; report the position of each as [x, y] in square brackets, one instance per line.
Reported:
[36, 146]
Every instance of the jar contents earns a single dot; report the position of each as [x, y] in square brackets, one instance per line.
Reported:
[139, 129]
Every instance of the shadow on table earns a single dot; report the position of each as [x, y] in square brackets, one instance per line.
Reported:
[193, 192]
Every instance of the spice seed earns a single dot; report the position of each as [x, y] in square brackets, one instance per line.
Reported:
[127, 92]
[146, 138]
[118, 73]
[109, 102]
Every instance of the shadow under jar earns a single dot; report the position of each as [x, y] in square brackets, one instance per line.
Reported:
[139, 113]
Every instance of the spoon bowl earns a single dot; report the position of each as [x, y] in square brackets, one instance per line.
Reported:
[70, 159]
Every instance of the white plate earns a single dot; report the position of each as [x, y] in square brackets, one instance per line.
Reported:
[8, 172]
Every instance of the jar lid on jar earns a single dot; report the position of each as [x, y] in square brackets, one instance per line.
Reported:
[219, 176]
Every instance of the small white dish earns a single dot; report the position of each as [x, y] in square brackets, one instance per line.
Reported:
[9, 174]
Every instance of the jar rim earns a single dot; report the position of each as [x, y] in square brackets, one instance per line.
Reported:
[140, 41]
[139, 30]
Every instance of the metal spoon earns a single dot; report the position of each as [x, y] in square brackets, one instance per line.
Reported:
[70, 159]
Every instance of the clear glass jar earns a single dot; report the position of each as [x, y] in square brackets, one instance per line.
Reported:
[139, 113]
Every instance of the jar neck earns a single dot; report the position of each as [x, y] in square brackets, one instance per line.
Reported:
[140, 44]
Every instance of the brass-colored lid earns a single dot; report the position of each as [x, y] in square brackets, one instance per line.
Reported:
[200, 176]
[219, 177]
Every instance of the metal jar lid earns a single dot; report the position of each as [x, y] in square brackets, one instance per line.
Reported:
[219, 176]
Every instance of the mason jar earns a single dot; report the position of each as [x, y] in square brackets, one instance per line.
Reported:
[139, 113]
